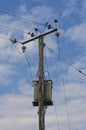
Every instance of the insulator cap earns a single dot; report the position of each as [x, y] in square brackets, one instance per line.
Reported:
[57, 34]
[32, 34]
[55, 20]
[36, 29]
[13, 41]
[28, 33]
[23, 48]
[49, 26]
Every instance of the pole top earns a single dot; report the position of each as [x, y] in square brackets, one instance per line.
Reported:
[42, 35]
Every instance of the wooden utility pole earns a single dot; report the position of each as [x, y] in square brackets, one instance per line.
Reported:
[41, 97]
[41, 85]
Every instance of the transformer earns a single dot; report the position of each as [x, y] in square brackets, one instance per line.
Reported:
[47, 93]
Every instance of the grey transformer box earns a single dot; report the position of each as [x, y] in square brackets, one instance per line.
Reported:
[47, 93]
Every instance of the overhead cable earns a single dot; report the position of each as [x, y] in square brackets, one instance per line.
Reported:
[58, 124]
[63, 83]
[11, 40]
[11, 28]
[22, 18]
[2, 37]
[18, 50]
[29, 66]
[65, 96]
[80, 71]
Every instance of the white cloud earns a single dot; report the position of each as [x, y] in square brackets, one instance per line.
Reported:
[73, 74]
[23, 8]
[5, 18]
[74, 7]
[77, 34]
[16, 110]
[39, 13]
[6, 72]
[17, 123]
[83, 9]
[76, 105]
[70, 7]
[24, 87]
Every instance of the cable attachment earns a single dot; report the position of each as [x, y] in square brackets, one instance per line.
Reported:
[55, 20]
[23, 48]
[33, 32]
[36, 29]
[14, 41]
[52, 23]
[57, 34]
[48, 25]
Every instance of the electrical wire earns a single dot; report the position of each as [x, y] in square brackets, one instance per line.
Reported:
[27, 61]
[29, 66]
[54, 73]
[18, 50]
[58, 124]
[59, 58]
[2, 37]
[11, 40]
[80, 71]
[63, 84]
[65, 95]
[22, 18]
[47, 66]
[11, 28]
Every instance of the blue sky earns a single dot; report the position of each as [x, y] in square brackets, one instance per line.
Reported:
[16, 76]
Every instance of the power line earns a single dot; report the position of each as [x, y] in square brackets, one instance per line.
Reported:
[59, 53]
[28, 63]
[80, 71]
[65, 95]
[56, 115]
[29, 66]
[47, 66]
[58, 124]
[23, 18]
[2, 37]
[11, 40]
[18, 50]
[11, 28]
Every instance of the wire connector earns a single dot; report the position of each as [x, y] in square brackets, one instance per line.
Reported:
[57, 34]
[23, 48]
[14, 41]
